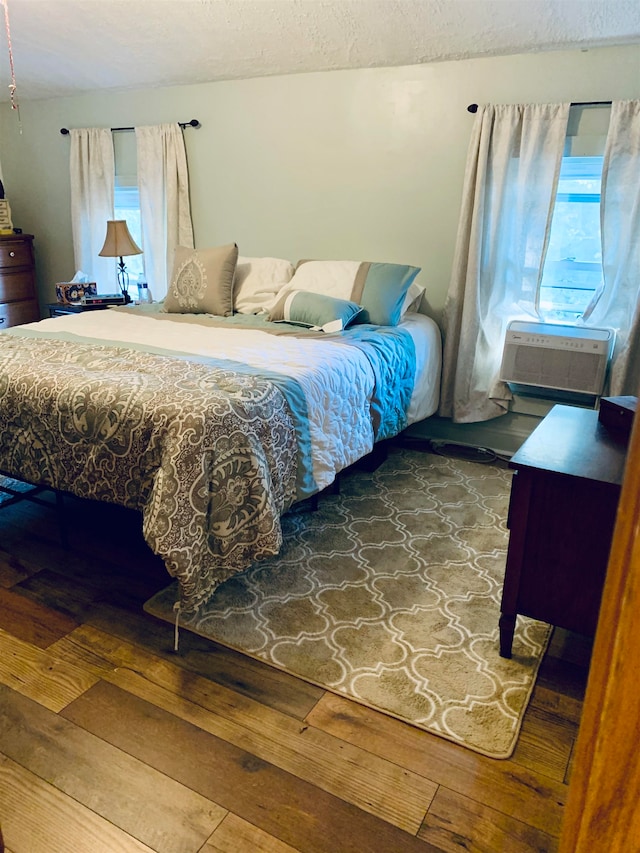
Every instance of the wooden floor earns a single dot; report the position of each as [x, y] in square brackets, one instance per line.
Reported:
[111, 742]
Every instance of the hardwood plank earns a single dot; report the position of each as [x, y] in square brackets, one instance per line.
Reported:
[32, 622]
[13, 570]
[105, 779]
[570, 647]
[103, 651]
[567, 708]
[455, 823]
[24, 523]
[104, 573]
[505, 785]
[38, 818]
[40, 675]
[240, 673]
[569, 677]
[277, 802]
[545, 743]
[106, 548]
[235, 835]
[379, 787]
[90, 649]
[71, 597]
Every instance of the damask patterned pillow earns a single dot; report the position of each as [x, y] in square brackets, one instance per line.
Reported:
[202, 281]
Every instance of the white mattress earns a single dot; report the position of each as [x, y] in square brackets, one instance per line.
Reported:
[428, 343]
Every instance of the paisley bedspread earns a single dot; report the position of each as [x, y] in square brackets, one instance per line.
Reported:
[207, 455]
[211, 429]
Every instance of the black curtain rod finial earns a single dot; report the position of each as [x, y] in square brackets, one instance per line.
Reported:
[472, 108]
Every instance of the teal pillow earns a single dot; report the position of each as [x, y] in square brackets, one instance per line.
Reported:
[314, 311]
[383, 292]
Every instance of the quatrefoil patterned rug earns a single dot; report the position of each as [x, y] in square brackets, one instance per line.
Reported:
[389, 594]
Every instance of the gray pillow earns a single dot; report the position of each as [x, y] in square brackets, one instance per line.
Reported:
[202, 281]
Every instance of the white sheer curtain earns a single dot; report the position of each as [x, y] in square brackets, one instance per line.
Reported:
[163, 182]
[618, 304]
[510, 181]
[92, 172]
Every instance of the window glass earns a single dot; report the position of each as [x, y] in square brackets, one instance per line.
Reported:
[573, 265]
[127, 206]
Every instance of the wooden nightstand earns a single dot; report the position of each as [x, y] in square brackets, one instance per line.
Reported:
[58, 309]
[562, 512]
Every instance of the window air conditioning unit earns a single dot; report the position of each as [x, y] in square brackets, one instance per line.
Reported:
[562, 358]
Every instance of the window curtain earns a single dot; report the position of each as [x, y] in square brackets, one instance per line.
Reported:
[617, 306]
[510, 182]
[163, 183]
[92, 186]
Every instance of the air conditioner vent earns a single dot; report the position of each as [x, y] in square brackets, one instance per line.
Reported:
[563, 358]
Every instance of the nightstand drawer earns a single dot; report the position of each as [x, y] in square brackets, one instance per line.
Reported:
[15, 313]
[16, 253]
[16, 285]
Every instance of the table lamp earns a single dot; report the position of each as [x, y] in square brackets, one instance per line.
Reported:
[118, 244]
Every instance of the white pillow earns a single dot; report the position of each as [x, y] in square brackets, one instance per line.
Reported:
[257, 283]
[413, 299]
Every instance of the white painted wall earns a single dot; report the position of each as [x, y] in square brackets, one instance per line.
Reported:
[344, 164]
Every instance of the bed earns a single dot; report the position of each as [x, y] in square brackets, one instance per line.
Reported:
[211, 426]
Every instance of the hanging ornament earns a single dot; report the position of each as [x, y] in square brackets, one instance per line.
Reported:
[12, 85]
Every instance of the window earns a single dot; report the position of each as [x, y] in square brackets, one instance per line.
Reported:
[573, 267]
[127, 206]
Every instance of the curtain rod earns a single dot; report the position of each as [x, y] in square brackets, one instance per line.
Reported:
[473, 108]
[193, 123]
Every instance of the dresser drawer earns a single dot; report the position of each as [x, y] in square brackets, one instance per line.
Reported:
[16, 285]
[16, 313]
[16, 253]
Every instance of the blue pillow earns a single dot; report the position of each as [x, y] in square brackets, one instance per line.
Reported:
[314, 311]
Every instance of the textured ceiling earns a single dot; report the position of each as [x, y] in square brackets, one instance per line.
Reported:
[64, 47]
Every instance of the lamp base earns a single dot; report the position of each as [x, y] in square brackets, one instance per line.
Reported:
[123, 281]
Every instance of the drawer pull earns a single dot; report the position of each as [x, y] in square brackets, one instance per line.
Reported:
[12, 254]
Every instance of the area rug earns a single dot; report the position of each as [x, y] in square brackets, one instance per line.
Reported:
[389, 594]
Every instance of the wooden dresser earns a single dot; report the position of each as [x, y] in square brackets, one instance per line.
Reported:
[18, 296]
[562, 513]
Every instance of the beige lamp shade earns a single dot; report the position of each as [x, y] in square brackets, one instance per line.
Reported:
[118, 241]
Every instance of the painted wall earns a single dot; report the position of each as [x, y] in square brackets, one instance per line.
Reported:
[347, 164]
